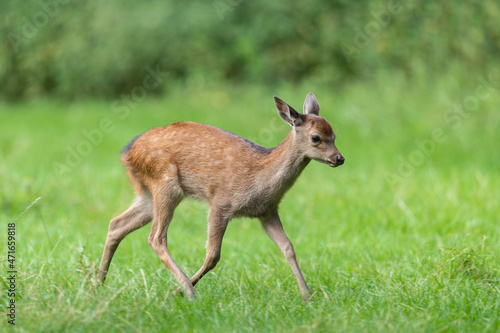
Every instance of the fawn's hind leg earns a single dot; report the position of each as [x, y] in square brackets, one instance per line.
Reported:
[138, 215]
[166, 196]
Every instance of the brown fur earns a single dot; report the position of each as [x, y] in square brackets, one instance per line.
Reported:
[234, 175]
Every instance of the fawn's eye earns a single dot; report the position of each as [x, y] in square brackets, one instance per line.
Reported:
[315, 138]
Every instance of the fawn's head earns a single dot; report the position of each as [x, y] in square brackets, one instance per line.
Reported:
[313, 133]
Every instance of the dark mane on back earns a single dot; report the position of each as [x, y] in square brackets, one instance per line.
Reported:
[253, 145]
[259, 148]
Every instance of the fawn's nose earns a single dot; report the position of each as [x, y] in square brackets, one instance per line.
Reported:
[340, 160]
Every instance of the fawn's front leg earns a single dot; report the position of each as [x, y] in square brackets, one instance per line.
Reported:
[217, 224]
[274, 229]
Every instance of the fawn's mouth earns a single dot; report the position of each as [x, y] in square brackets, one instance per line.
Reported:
[333, 164]
[329, 163]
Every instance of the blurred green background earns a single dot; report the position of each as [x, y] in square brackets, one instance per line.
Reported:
[87, 49]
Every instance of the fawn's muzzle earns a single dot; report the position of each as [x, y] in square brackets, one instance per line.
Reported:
[334, 161]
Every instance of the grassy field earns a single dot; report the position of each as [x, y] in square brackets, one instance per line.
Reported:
[404, 237]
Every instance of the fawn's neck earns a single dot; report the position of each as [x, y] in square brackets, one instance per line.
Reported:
[284, 165]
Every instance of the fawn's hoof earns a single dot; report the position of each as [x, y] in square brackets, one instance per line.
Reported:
[189, 294]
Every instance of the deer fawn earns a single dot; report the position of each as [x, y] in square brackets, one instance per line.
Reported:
[234, 175]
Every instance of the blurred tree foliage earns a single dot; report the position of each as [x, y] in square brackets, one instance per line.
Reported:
[76, 48]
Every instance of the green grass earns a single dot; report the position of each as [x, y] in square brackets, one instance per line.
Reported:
[417, 255]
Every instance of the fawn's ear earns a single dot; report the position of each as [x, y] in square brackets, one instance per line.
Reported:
[287, 113]
[311, 105]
